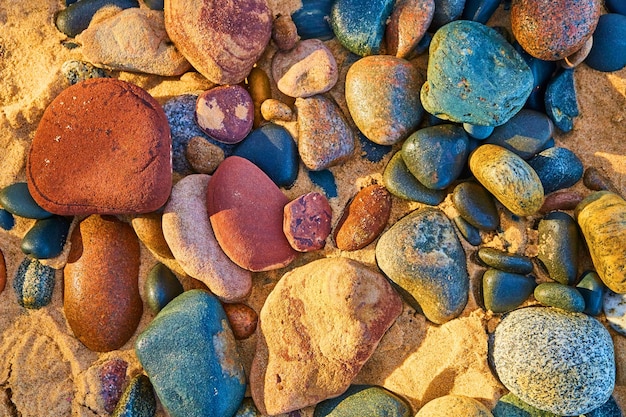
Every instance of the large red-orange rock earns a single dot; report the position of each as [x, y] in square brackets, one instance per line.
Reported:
[102, 147]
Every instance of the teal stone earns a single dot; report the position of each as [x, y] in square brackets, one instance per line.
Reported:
[17, 200]
[76, 17]
[422, 254]
[248, 409]
[476, 205]
[137, 400]
[504, 261]
[608, 52]
[542, 71]
[592, 290]
[478, 132]
[161, 287]
[608, 409]
[560, 100]
[558, 245]
[189, 351]
[554, 294]
[33, 284]
[469, 232]
[474, 76]
[505, 291]
[480, 10]
[326, 181]
[511, 406]
[557, 168]
[526, 133]
[400, 182]
[7, 221]
[436, 155]
[46, 238]
[312, 18]
[364, 401]
[360, 25]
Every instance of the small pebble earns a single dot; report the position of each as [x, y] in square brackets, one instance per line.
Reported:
[46, 238]
[112, 375]
[554, 294]
[325, 180]
[478, 132]
[260, 90]
[557, 246]
[149, 230]
[312, 19]
[476, 205]
[307, 222]
[454, 405]
[557, 168]
[595, 180]
[284, 33]
[242, 319]
[3, 272]
[402, 183]
[138, 399]
[525, 133]
[203, 156]
[469, 232]
[615, 6]
[511, 406]
[154, 4]
[560, 100]
[371, 151]
[504, 261]
[592, 290]
[542, 72]
[364, 400]
[7, 221]
[77, 16]
[407, 25]
[561, 200]
[608, 52]
[273, 109]
[33, 284]
[225, 113]
[161, 287]
[505, 291]
[579, 56]
[17, 200]
[614, 307]
[77, 71]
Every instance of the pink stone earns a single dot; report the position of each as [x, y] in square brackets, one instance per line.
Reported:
[307, 222]
[112, 375]
[225, 113]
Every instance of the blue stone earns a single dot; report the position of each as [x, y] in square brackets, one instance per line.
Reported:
[46, 238]
[154, 4]
[557, 247]
[478, 132]
[326, 181]
[189, 351]
[360, 25]
[400, 182]
[511, 406]
[445, 12]
[554, 294]
[542, 72]
[248, 409]
[608, 409]
[560, 100]
[551, 143]
[373, 152]
[557, 168]
[16, 199]
[137, 400]
[423, 45]
[77, 16]
[504, 261]
[608, 52]
[480, 10]
[476, 205]
[592, 290]
[161, 287]
[33, 284]
[615, 6]
[505, 291]
[525, 133]
[312, 19]
[7, 221]
[364, 400]
[469, 232]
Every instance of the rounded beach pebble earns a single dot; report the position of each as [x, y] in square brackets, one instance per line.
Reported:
[554, 360]
[225, 113]
[454, 405]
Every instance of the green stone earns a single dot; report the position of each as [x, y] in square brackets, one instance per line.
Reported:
[138, 399]
[476, 205]
[554, 294]
[364, 401]
[504, 261]
[161, 287]
[592, 290]
[505, 291]
[400, 182]
[558, 247]
[511, 406]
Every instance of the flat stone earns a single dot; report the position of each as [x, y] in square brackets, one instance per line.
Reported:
[561, 200]
[203, 156]
[161, 287]
[609, 47]
[596, 180]
[476, 205]
[505, 291]
[408, 23]
[225, 113]
[16, 199]
[150, 232]
[526, 133]
[307, 222]
[401, 183]
[364, 400]
[560, 100]
[456, 405]
[557, 168]
[557, 246]
[554, 294]
[504, 261]
[33, 284]
[46, 238]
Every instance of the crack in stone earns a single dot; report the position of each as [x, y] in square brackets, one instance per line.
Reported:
[9, 394]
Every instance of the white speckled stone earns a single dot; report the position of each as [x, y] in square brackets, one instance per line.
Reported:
[614, 306]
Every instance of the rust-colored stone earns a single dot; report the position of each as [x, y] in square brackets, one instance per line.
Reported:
[307, 222]
[561, 200]
[242, 318]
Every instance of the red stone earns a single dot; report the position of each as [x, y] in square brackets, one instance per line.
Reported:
[307, 222]
[225, 113]
[407, 25]
[242, 318]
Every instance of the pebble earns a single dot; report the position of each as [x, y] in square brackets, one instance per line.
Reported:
[608, 409]
[597, 181]
[542, 72]
[193, 242]
[203, 156]
[138, 399]
[154, 4]
[246, 227]
[505, 291]
[33, 284]
[478, 132]
[242, 319]
[3, 272]
[360, 26]
[526, 133]
[504, 261]
[454, 405]
[446, 11]
[271, 148]
[221, 41]
[560, 100]
[260, 90]
[602, 220]
[46, 238]
[480, 10]
[615, 6]
[407, 25]
[112, 375]
[325, 180]
[561, 200]
[508, 177]
[161, 287]
[7, 221]
[614, 308]
[469, 232]
[608, 52]
[333, 311]
[312, 19]
[364, 400]
[324, 137]
[77, 71]
[371, 151]
[198, 319]
[431, 265]
[557, 168]
[77, 16]
[306, 222]
[571, 375]
[17, 200]
[225, 113]
[382, 94]
[150, 233]
[554, 294]
[248, 409]
[476, 205]
[401, 183]
[557, 246]
[579, 56]
[273, 110]
[306, 70]
[284, 33]
[364, 218]
[511, 406]
[486, 87]
[552, 30]
[101, 294]
[592, 290]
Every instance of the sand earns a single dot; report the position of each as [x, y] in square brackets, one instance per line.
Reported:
[45, 371]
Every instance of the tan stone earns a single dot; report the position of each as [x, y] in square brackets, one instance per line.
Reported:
[149, 231]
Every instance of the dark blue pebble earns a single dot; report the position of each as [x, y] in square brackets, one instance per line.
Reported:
[422, 46]
[476, 205]
[525, 133]
[154, 4]
[161, 287]
[504, 261]
[46, 238]
[560, 100]
[469, 232]
[77, 16]
[16, 199]
[7, 221]
[364, 400]
[312, 19]
[615, 6]
[592, 290]
[445, 12]
[608, 52]
[505, 291]
[557, 246]
[33, 284]
[542, 72]
[138, 399]
[69, 2]
[557, 168]
[400, 182]
[609, 408]
[373, 152]
[326, 181]
[480, 10]
[478, 132]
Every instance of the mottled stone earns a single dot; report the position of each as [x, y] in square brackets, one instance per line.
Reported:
[476, 205]
[526, 133]
[161, 287]
[608, 409]
[138, 399]
[17, 200]
[77, 71]
[592, 290]
[225, 113]
[560, 100]
[284, 33]
[557, 168]
[504, 261]
[112, 375]
[554, 294]
[202, 155]
[364, 400]
[312, 19]
[511, 406]
[77, 16]
[608, 52]
[407, 25]
[445, 12]
[242, 319]
[454, 405]
[505, 291]
[33, 284]
[579, 56]
[272, 110]
[306, 222]
[557, 246]
[46, 238]
[149, 231]
[401, 183]
[614, 308]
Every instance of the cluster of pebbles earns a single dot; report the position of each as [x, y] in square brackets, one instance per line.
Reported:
[200, 181]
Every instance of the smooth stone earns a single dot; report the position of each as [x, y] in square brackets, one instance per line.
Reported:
[161, 287]
[608, 409]
[557, 168]
[595, 180]
[554, 294]
[77, 16]
[560, 100]
[33, 284]
[371, 151]
[608, 52]
[208, 355]
[246, 226]
[225, 113]
[469, 232]
[260, 90]
[242, 319]
[504, 261]
[478, 132]
[592, 290]
[407, 25]
[138, 399]
[306, 70]
[194, 243]
[7, 221]
[561, 200]
[615, 6]
[150, 232]
[467, 87]
[271, 148]
[382, 94]
[401, 183]
[324, 137]
[525, 133]
[508, 177]
[360, 26]
[480, 10]
[333, 312]
[476, 205]
[557, 246]
[422, 255]
[364, 400]
[364, 218]
[307, 222]
[77, 71]
[16, 199]
[325, 180]
[284, 33]
[454, 405]
[511, 406]
[602, 220]
[505, 291]
[112, 376]
[446, 11]
[614, 308]
[312, 19]
[46, 238]
[203, 156]
[273, 110]
[436, 155]
[571, 375]
[222, 41]
[542, 72]
[3, 272]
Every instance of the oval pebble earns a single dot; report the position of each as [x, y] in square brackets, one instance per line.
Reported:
[112, 376]
[307, 222]
[202, 155]
[138, 399]
[77, 16]
[595, 180]
[469, 232]
[33, 284]
[454, 405]
[161, 287]
[557, 246]
[525, 133]
[592, 290]
[225, 113]
[615, 6]
[7, 221]
[557, 168]
[260, 90]
[242, 319]
[560, 100]
[561, 200]
[478, 132]
[17, 200]
[272, 110]
[408, 23]
[364, 400]
[504, 261]
[608, 52]
[505, 291]
[149, 230]
[476, 205]
[554, 294]
[284, 33]
[401, 183]
[312, 19]
[46, 238]
[510, 406]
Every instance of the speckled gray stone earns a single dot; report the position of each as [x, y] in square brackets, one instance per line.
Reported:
[614, 306]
